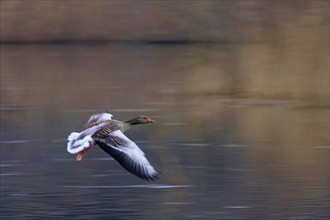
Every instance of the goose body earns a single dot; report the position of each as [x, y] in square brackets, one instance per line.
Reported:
[108, 134]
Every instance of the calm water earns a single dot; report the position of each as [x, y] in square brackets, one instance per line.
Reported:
[222, 155]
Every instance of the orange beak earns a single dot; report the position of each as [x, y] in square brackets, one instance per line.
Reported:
[149, 120]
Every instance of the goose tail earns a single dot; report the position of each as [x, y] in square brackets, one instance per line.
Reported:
[78, 142]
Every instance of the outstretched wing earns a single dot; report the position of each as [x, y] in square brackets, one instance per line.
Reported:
[97, 119]
[128, 155]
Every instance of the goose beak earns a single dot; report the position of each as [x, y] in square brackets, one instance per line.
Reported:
[149, 120]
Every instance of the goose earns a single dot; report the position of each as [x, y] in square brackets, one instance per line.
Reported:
[102, 130]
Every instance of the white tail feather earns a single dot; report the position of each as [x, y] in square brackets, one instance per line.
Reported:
[76, 144]
[80, 141]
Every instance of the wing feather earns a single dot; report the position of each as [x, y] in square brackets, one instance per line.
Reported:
[128, 155]
[97, 119]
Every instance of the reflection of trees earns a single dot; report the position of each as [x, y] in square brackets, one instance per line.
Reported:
[287, 154]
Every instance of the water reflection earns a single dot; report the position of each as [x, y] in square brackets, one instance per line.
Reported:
[222, 153]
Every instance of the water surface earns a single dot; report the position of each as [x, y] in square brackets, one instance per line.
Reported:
[222, 154]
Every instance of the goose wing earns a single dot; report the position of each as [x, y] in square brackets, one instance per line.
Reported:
[128, 155]
[97, 119]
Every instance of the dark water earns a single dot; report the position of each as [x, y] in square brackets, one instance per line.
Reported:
[222, 155]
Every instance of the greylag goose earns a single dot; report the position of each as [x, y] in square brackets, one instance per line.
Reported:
[108, 134]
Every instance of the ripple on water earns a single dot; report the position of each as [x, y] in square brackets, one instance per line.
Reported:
[7, 165]
[177, 203]
[11, 163]
[11, 174]
[20, 141]
[148, 186]
[59, 140]
[238, 207]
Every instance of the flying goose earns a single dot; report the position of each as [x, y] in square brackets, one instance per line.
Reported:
[108, 134]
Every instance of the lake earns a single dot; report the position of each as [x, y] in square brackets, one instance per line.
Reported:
[230, 139]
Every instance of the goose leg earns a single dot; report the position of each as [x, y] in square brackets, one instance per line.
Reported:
[80, 155]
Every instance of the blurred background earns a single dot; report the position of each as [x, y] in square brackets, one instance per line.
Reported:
[239, 91]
